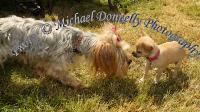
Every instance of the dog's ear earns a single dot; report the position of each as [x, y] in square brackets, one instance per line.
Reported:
[124, 45]
[147, 47]
[109, 27]
[105, 59]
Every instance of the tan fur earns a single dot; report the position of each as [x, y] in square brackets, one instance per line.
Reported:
[107, 58]
[170, 53]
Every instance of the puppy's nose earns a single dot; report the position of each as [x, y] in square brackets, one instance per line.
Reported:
[134, 54]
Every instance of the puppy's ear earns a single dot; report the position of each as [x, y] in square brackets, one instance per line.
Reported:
[143, 33]
[147, 47]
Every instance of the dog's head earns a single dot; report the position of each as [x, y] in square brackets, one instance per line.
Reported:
[111, 60]
[144, 46]
[110, 34]
[109, 56]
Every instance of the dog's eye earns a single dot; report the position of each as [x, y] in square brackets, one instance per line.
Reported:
[139, 52]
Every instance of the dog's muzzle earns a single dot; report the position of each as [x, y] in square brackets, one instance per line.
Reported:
[135, 54]
[129, 61]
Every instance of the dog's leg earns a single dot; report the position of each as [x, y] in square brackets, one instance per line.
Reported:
[147, 68]
[65, 79]
[158, 74]
[2, 60]
[2, 67]
[177, 69]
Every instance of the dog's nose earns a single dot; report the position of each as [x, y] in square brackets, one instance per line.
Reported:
[134, 54]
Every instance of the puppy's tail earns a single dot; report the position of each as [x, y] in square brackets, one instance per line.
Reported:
[185, 60]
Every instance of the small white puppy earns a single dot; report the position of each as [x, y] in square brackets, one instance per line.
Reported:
[158, 56]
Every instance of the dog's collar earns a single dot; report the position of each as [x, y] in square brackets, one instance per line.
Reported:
[155, 57]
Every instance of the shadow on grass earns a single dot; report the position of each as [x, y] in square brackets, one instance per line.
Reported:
[48, 90]
[110, 90]
[114, 89]
[85, 8]
[169, 86]
[9, 91]
[63, 9]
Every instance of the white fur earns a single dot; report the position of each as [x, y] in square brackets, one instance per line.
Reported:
[25, 35]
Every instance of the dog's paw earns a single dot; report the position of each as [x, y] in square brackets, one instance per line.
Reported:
[155, 81]
[79, 85]
[175, 74]
[141, 80]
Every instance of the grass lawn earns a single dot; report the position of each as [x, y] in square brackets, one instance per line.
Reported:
[23, 91]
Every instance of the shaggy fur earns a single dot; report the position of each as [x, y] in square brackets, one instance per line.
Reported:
[55, 53]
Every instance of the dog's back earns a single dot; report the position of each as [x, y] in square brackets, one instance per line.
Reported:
[172, 51]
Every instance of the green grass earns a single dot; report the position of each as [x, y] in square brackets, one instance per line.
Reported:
[23, 91]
